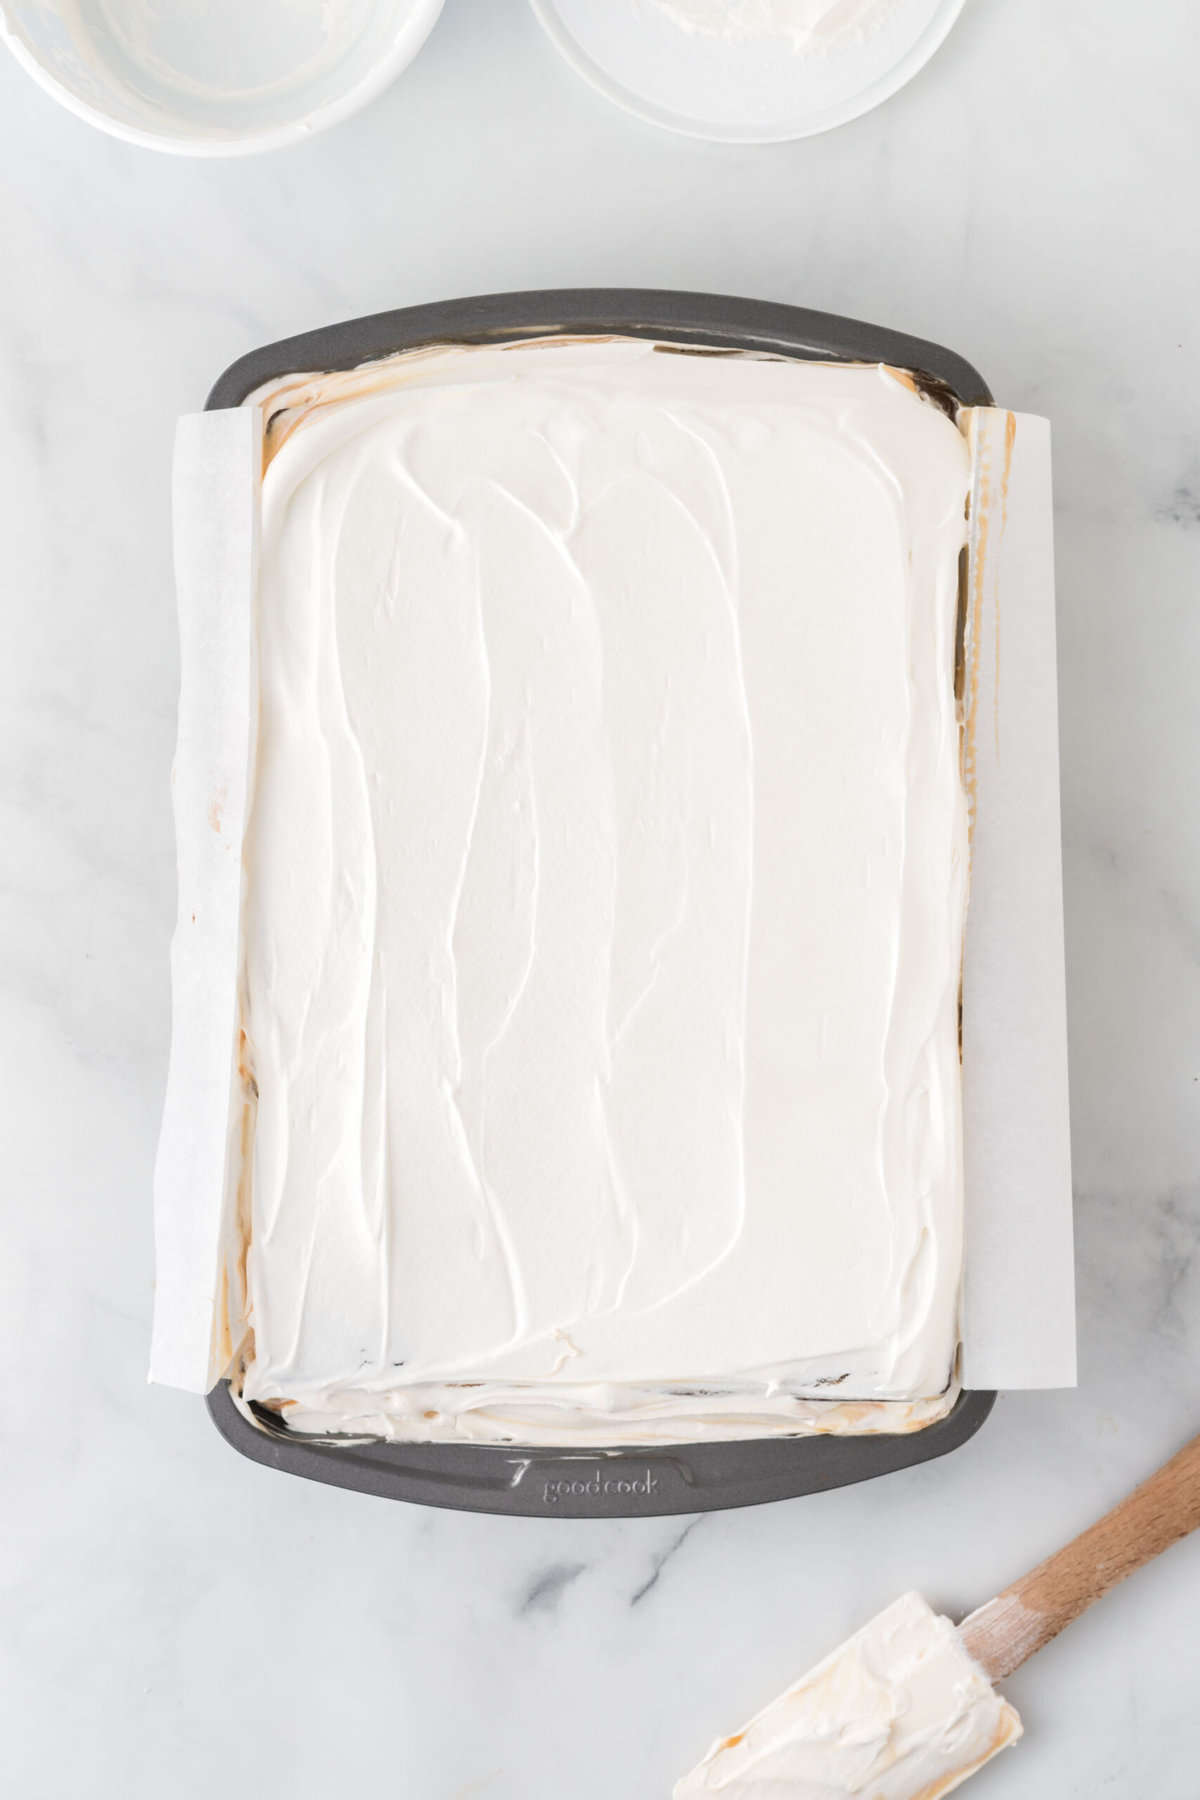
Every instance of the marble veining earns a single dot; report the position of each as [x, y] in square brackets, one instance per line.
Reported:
[150, 1590]
[546, 1589]
[1183, 506]
[661, 1558]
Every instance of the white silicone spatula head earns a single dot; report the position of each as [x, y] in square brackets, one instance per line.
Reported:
[905, 1709]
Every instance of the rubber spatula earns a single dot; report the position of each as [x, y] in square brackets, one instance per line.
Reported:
[905, 1709]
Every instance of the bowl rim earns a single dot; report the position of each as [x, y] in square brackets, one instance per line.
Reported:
[410, 39]
[610, 87]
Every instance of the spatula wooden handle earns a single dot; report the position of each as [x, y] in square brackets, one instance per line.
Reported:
[1002, 1634]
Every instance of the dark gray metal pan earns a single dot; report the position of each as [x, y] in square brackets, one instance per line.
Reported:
[631, 1482]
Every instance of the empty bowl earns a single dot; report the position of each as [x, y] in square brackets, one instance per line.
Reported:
[215, 77]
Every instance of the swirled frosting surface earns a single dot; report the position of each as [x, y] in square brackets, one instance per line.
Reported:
[604, 898]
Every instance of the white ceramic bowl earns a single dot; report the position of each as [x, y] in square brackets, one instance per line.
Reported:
[215, 77]
[751, 91]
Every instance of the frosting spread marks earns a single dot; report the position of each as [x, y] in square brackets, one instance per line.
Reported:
[604, 895]
[899, 1712]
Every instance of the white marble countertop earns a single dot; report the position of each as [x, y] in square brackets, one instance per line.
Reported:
[174, 1616]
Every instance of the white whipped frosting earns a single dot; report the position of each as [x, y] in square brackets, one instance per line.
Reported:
[899, 1712]
[605, 881]
[807, 26]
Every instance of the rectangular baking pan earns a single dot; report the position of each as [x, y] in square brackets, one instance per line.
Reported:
[624, 1482]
